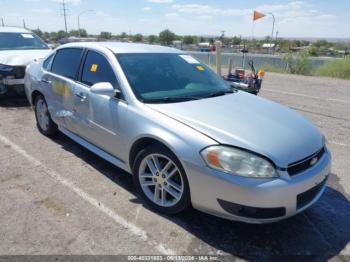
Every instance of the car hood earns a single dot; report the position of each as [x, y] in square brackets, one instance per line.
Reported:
[250, 122]
[21, 57]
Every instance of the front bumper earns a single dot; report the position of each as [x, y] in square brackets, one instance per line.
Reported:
[256, 200]
[11, 86]
[12, 81]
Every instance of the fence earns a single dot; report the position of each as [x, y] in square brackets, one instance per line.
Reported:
[259, 60]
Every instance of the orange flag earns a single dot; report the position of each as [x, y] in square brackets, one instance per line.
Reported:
[258, 15]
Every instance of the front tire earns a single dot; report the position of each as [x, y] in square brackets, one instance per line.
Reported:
[161, 180]
[44, 122]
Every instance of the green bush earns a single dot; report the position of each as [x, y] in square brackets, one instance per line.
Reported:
[339, 69]
[298, 64]
[273, 68]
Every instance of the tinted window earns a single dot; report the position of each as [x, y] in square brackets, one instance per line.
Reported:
[48, 63]
[21, 41]
[66, 62]
[97, 69]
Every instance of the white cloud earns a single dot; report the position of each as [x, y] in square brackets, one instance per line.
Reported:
[160, 1]
[205, 17]
[281, 7]
[171, 15]
[146, 9]
[209, 10]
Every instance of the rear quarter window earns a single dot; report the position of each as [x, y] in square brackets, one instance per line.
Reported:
[66, 62]
[48, 63]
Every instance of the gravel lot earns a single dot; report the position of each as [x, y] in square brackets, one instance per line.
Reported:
[58, 198]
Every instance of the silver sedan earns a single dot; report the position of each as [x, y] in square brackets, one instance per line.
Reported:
[186, 136]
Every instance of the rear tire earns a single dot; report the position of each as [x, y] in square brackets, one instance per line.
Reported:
[161, 180]
[43, 119]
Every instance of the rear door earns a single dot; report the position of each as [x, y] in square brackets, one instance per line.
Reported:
[60, 80]
[99, 118]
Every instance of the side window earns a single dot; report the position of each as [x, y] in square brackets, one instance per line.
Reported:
[66, 62]
[48, 63]
[97, 69]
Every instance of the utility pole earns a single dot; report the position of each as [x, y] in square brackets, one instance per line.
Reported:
[2, 21]
[276, 42]
[64, 9]
[24, 24]
[273, 28]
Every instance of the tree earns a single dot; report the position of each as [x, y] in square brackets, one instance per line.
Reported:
[152, 39]
[202, 39]
[105, 35]
[73, 33]
[137, 38]
[47, 35]
[61, 34]
[189, 40]
[83, 33]
[313, 51]
[236, 40]
[38, 32]
[166, 37]
[322, 44]
[123, 35]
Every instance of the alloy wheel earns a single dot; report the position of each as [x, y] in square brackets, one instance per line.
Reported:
[42, 114]
[161, 180]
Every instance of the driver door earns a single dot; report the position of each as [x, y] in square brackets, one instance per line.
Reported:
[99, 118]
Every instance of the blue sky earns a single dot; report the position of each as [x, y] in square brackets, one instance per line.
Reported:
[294, 18]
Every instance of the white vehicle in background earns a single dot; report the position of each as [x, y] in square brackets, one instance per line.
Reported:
[18, 48]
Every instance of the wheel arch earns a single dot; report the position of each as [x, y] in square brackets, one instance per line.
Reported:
[142, 143]
[34, 95]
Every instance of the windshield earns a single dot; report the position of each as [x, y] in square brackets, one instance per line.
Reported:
[170, 77]
[20, 41]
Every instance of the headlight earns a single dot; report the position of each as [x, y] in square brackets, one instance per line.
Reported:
[238, 162]
[5, 68]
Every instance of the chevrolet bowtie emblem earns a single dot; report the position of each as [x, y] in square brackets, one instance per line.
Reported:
[313, 161]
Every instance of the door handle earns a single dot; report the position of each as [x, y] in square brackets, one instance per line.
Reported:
[46, 81]
[81, 96]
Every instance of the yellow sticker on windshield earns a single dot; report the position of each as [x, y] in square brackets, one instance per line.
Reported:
[94, 68]
[200, 68]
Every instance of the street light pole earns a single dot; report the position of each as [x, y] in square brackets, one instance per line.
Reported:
[273, 28]
[86, 11]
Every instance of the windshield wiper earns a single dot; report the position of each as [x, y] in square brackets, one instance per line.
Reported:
[176, 99]
[221, 93]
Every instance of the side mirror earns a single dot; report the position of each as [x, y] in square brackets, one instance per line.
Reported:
[105, 88]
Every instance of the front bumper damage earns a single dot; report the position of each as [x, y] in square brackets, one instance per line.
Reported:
[12, 81]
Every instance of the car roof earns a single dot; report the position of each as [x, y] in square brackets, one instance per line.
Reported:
[120, 48]
[12, 29]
